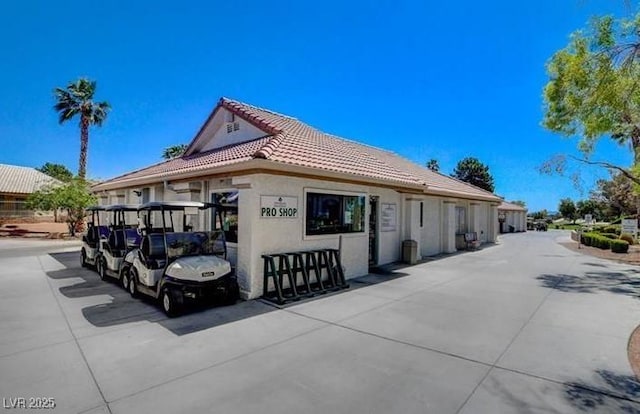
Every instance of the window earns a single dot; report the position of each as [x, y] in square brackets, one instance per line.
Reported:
[334, 213]
[461, 220]
[229, 128]
[228, 214]
[421, 214]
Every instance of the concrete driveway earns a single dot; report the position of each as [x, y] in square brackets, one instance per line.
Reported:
[525, 326]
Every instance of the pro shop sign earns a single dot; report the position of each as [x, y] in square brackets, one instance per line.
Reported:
[278, 207]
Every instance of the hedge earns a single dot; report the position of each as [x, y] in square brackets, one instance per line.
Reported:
[609, 235]
[596, 240]
[607, 229]
[619, 246]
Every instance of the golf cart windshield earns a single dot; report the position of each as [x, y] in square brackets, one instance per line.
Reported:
[196, 244]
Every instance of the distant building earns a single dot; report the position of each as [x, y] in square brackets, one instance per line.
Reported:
[290, 187]
[512, 218]
[16, 183]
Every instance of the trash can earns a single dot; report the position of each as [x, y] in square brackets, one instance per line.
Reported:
[410, 251]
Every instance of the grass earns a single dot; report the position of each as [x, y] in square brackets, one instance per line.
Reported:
[565, 226]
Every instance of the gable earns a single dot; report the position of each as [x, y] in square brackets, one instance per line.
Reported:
[223, 129]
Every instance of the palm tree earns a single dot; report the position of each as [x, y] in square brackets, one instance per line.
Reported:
[174, 151]
[433, 165]
[77, 99]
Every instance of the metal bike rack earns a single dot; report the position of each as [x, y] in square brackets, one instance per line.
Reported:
[308, 273]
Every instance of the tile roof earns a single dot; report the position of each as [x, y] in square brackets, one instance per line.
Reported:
[511, 207]
[22, 180]
[290, 141]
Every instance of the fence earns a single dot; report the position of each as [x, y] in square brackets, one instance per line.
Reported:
[14, 208]
[18, 209]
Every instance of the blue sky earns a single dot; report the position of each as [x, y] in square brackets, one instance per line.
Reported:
[426, 79]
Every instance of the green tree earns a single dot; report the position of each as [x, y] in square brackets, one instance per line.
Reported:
[77, 99]
[593, 90]
[472, 171]
[617, 196]
[433, 165]
[73, 196]
[589, 206]
[539, 215]
[174, 151]
[57, 171]
[567, 209]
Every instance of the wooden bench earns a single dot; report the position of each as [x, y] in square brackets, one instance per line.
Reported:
[471, 240]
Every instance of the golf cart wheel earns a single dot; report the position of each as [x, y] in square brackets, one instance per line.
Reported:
[169, 303]
[232, 294]
[124, 278]
[101, 263]
[83, 258]
[133, 284]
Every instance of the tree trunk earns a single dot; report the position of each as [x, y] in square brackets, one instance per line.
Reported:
[84, 144]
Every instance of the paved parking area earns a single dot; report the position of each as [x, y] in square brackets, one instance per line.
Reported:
[525, 326]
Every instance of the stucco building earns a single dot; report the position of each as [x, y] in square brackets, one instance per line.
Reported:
[16, 184]
[292, 187]
[512, 217]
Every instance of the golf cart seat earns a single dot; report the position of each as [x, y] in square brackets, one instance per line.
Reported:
[121, 241]
[132, 238]
[153, 251]
[95, 234]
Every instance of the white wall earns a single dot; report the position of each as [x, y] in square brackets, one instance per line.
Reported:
[431, 241]
[389, 242]
[258, 236]
[215, 134]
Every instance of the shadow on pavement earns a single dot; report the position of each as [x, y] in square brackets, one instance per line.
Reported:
[122, 308]
[593, 282]
[613, 393]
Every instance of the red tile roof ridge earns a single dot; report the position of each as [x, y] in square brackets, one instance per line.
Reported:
[463, 182]
[267, 149]
[139, 170]
[224, 99]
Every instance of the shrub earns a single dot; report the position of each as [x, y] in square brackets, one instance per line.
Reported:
[602, 242]
[619, 246]
[612, 236]
[611, 229]
[596, 240]
[627, 237]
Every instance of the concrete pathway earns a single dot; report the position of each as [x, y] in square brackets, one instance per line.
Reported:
[525, 326]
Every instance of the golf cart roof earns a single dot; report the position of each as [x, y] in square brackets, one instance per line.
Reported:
[97, 208]
[122, 207]
[173, 205]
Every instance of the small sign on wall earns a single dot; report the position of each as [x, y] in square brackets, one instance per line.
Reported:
[278, 207]
[388, 216]
[630, 226]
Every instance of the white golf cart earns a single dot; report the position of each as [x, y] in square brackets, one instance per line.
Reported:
[123, 238]
[179, 267]
[96, 231]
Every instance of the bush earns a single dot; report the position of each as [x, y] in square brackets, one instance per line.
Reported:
[611, 236]
[596, 240]
[619, 246]
[628, 238]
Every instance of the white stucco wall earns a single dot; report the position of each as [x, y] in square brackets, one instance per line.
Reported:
[215, 134]
[259, 236]
[431, 231]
